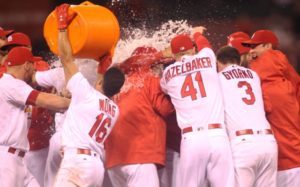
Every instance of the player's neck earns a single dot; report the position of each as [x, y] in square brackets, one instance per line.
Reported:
[18, 74]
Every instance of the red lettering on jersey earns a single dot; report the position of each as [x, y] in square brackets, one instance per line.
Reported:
[168, 76]
[206, 63]
[226, 75]
[194, 66]
[250, 74]
[238, 74]
[105, 106]
[187, 67]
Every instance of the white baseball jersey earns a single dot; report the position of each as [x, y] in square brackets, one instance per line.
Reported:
[14, 94]
[53, 78]
[90, 116]
[193, 86]
[242, 99]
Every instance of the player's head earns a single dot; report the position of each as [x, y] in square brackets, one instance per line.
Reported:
[227, 55]
[20, 61]
[182, 44]
[14, 40]
[261, 41]
[143, 50]
[112, 81]
[3, 35]
[235, 40]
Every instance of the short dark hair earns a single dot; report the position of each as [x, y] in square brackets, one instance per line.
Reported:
[228, 55]
[113, 81]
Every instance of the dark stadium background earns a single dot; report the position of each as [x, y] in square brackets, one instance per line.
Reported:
[221, 17]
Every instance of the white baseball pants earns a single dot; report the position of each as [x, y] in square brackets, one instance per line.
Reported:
[134, 175]
[13, 171]
[290, 177]
[205, 156]
[255, 160]
[36, 163]
[80, 170]
[53, 160]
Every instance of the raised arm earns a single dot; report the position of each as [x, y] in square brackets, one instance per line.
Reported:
[200, 40]
[64, 46]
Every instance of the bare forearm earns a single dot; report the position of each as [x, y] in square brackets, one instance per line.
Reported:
[66, 56]
[52, 102]
[64, 47]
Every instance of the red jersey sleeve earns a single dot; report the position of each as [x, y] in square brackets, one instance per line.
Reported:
[161, 102]
[32, 97]
[201, 41]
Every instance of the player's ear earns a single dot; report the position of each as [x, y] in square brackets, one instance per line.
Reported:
[28, 65]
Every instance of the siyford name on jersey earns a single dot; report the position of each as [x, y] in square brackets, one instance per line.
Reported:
[238, 74]
[107, 107]
[186, 67]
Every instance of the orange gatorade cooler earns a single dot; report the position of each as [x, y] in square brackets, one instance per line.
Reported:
[94, 31]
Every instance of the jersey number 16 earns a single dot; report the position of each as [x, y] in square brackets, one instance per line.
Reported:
[100, 127]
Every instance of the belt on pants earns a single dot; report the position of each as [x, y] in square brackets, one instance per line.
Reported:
[18, 152]
[83, 152]
[251, 131]
[209, 126]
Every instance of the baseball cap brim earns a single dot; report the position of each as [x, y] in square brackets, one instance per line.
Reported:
[248, 43]
[4, 33]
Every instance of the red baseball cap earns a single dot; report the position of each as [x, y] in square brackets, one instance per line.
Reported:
[18, 56]
[237, 43]
[262, 36]
[181, 43]
[144, 50]
[41, 65]
[238, 34]
[4, 33]
[19, 39]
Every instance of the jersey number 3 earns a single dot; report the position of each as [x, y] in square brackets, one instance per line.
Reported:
[188, 88]
[100, 127]
[251, 100]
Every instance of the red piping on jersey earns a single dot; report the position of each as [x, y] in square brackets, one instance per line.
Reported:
[32, 97]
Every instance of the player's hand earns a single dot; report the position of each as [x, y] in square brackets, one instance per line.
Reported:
[104, 63]
[200, 29]
[167, 52]
[63, 18]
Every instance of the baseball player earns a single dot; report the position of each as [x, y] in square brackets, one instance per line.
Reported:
[3, 38]
[235, 40]
[90, 118]
[255, 162]
[193, 85]
[13, 40]
[281, 84]
[136, 146]
[15, 94]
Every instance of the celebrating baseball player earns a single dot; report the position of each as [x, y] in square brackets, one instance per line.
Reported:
[193, 85]
[235, 40]
[246, 123]
[15, 94]
[136, 147]
[90, 118]
[281, 88]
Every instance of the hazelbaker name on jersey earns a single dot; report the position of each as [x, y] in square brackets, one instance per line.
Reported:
[238, 74]
[107, 107]
[186, 67]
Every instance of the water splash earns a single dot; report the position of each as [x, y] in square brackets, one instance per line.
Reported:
[158, 38]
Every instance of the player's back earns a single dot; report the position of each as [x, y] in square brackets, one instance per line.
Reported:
[193, 86]
[244, 108]
[90, 117]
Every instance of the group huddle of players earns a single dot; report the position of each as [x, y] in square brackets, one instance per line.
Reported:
[184, 116]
